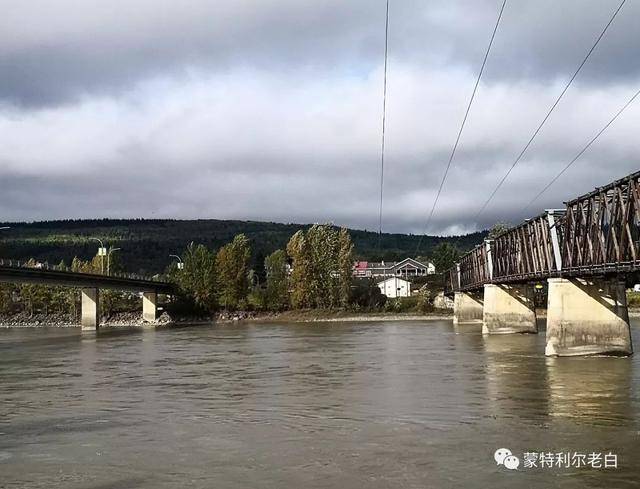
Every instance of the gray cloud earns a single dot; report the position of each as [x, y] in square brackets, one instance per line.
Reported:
[55, 52]
[271, 109]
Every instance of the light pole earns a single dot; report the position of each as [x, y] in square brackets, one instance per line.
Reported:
[109, 259]
[101, 252]
[180, 262]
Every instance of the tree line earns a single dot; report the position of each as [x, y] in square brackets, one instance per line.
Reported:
[313, 271]
[147, 244]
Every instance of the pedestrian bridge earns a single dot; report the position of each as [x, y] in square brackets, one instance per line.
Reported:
[585, 252]
[90, 285]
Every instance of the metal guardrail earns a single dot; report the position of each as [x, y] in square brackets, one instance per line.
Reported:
[58, 268]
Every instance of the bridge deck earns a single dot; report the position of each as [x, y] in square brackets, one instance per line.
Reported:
[46, 276]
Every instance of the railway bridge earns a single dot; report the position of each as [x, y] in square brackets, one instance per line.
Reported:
[586, 252]
[90, 285]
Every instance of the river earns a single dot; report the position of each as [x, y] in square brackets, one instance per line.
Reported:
[333, 405]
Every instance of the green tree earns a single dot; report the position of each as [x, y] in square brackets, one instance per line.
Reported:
[444, 256]
[198, 278]
[277, 288]
[322, 260]
[345, 267]
[498, 228]
[323, 249]
[6, 297]
[300, 280]
[232, 264]
[367, 295]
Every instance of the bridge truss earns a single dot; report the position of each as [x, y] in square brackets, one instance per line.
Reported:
[596, 234]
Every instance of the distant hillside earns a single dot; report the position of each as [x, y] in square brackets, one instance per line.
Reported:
[147, 244]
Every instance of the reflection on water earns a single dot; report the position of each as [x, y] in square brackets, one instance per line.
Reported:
[591, 390]
[388, 404]
[516, 376]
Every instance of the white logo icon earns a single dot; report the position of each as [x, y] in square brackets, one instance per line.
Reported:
[503, 456]
[511, 462]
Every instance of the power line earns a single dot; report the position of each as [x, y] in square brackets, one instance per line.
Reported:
[384, 121]
[581, 152]
[464, 121]
[506, 175]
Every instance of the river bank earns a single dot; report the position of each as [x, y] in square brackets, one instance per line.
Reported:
[128, 319]
[314, 316]
[134, 319]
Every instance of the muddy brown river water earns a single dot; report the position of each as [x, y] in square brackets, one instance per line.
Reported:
[336, 405]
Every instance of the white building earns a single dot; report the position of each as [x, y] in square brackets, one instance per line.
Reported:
[394, 287]
[405, 268]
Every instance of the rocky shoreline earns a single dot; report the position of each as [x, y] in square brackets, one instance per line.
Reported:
[122, 319]
[134, 319]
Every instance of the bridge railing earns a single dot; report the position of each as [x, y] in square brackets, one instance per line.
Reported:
[473, 268]
[602, 229]
[526, 252]
[58, 268]
[450, 279]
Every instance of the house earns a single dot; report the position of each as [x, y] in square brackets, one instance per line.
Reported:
[405, 268]
[394, 287]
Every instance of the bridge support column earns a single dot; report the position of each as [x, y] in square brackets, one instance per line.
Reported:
[587, 317]
[149, 306]
[467, 307]
[90, 309]
[509, 309]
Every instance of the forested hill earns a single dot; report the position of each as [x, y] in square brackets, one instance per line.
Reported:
[147, 244]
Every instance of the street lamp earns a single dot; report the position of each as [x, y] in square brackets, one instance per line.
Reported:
[109, 259]
[180, 262]
[102, 251]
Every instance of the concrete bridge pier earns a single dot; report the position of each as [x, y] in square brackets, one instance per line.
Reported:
[90, 309]
[149, 306]
[467, 307]
[509, 309]
[587, 317]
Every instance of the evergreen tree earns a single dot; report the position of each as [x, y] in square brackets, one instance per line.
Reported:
[445, 256]
[497, 229]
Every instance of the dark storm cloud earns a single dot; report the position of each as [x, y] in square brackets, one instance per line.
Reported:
[271, 109]
[59, 51]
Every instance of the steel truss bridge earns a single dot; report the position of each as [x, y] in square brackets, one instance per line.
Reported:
[596, 234]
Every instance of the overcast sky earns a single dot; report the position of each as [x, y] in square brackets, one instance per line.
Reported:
[271, 109]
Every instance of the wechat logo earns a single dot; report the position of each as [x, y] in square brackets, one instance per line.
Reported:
[503, 456]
